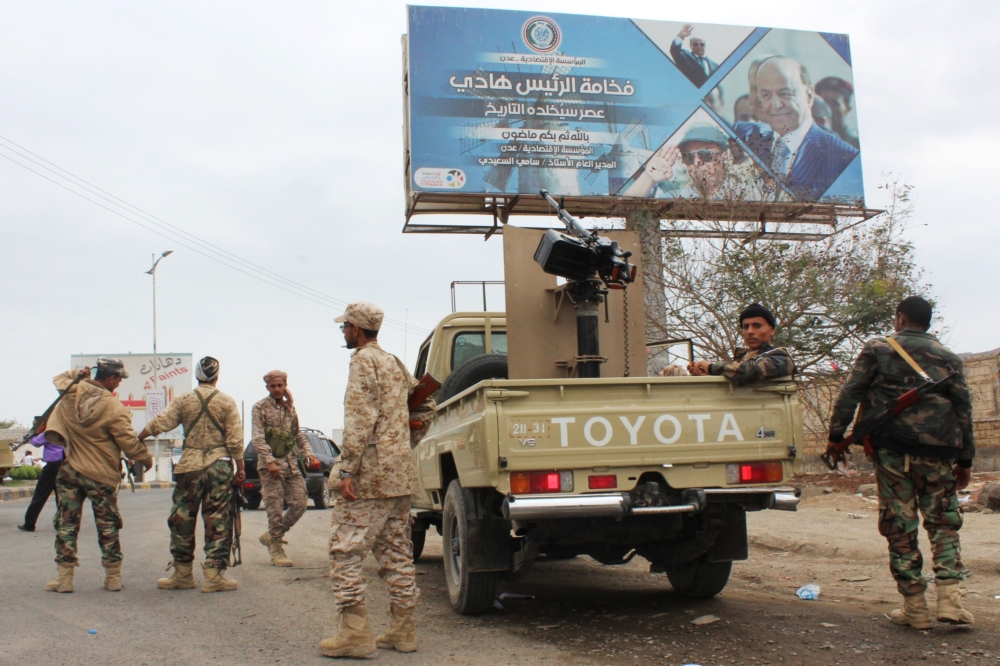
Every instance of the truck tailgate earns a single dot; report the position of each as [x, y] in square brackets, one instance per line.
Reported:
[643, 421]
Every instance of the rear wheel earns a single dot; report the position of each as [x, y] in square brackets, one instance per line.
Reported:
[253, 501]
[699, 579]
[418, 537]
[471, 593]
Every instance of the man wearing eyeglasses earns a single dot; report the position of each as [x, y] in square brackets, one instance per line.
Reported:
[694, 64]
[760, 360]
[704, 152]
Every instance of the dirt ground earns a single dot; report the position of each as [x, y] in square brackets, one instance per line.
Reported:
[595, 614]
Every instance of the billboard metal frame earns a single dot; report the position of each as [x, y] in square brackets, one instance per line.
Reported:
[762, 218]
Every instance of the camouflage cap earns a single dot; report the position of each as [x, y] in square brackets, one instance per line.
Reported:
[706, 134]
[111, 366]
[363, 315]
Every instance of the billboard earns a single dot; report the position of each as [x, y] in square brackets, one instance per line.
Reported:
[510, 102]
[174, 377]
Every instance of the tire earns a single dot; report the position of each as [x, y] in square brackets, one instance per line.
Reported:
[322, 499]
[418, 537]
[700, 579]
[470, 593]
[253, 501]
[473, 371]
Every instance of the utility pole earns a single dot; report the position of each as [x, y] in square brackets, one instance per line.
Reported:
[156, 360]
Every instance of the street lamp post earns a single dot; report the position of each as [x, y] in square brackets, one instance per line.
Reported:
[156, 360]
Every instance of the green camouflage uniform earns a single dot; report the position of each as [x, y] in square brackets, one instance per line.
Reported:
[213, 437]
[71, 491]
[915, 452]
[767, 362]
[213, 490]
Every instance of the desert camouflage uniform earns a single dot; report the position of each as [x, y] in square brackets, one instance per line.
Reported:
[914, 454]
[290, 489]
[376, 450]
[767, 362]
[204, 472]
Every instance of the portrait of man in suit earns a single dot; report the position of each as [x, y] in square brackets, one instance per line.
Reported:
[694, 64]
[805, 157]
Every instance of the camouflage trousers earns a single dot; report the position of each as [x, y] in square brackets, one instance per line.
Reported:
[380, 527]
[212, 489]
[290, 489]
[904, 487]
[72, 488]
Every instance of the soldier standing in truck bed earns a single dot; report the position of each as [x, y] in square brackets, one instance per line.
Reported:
[280, 445]
[922, 457]
[213, 440]
[760, 360]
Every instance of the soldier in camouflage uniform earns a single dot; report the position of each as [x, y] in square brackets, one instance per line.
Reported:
[375, 476]
[213, 440]
[96, 429]
[922, 458]
[759, 361]
[276, 436]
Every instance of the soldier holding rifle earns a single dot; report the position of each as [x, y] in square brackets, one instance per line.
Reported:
[922, 455]
[96, 429]
[213, 440]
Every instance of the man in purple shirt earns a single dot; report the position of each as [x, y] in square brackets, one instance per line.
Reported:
[52, 456]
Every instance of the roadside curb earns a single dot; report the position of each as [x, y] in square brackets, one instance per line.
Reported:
[27, 491]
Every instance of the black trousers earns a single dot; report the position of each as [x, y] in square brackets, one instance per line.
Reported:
[46, 484]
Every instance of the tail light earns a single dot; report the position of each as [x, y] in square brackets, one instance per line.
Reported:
[757, 472]
[248, 485]
[530, 483]
[603, 482]
[313, 466]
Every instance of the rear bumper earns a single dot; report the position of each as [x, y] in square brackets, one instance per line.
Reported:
[618, 505]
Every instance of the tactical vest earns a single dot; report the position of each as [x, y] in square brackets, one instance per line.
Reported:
[281, 442]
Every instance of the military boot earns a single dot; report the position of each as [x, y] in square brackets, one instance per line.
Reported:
[278, 557]
[402, 636]
[113, 576]
[215, 581]
[265, 538]
[949, 604]
[64, 583]
[914, 612]
[354, 635]
[180, 579]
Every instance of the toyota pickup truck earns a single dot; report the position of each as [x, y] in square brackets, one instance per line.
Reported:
[613, 468]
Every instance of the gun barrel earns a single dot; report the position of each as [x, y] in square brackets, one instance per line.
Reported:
[572, 224]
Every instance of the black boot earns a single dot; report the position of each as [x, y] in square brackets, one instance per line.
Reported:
[26, 528]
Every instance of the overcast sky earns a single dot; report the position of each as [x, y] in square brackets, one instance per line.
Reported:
[273, 130]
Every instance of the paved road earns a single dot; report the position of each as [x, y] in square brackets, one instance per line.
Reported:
[582, 613]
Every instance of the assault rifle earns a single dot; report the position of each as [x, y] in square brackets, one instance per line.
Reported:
[38, 424]
[861, 433]
[239, 502]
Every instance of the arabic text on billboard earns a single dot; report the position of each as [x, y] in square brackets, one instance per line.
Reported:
[512, 102]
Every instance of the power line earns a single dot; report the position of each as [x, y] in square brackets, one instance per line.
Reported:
[176, 234]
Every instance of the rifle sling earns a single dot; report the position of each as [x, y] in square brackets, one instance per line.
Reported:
[204, 411]
[909, 359]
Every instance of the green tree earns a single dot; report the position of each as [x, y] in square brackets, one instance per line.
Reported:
[6, 424]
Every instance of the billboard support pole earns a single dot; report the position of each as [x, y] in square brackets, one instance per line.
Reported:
[647, 225]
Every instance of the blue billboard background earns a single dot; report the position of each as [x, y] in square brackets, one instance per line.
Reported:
[511, 102]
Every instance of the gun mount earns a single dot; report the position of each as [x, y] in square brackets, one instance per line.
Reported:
[591, 264]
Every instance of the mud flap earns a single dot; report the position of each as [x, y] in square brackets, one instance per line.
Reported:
[731, 544]
[489, 535]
